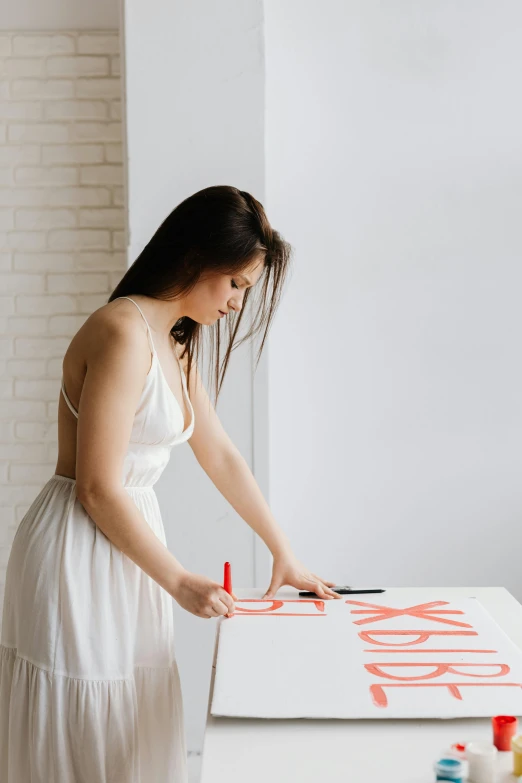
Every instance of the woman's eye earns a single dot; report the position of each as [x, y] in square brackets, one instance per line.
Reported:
[234, 285]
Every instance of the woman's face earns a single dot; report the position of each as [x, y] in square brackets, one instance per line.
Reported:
[218, 293]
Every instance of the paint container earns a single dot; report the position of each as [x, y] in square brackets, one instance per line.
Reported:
[449, 769]
[516, 747]
[482, 759]
[457, 751]
[505, 728]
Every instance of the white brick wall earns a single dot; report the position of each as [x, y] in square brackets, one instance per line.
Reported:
[61, 236]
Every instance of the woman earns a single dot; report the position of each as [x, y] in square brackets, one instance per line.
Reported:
[89, 685]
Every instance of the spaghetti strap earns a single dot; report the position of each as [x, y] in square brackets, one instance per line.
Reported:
[143, 316]
[184, 387]
[182, 373]
[66, 396]
[67, 400]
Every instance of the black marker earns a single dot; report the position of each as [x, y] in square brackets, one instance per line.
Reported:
[342, 590]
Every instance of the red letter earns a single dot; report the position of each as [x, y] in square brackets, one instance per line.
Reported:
[272, 611]
[422, 636]
[440, 669]
[424, 611]
[380, 700]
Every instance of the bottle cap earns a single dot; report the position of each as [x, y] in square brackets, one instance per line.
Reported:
[483, 749]
[504, 728]
[451, 768]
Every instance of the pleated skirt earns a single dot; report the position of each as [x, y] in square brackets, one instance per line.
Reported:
[89, 683]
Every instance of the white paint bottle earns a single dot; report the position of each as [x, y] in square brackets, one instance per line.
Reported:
[482, 760]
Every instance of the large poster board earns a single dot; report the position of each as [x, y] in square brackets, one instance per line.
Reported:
[375, 658]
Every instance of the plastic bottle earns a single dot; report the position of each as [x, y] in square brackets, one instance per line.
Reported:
[516, 747]
[482, 759]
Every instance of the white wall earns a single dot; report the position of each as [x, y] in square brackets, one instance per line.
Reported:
[61, 236]
[392, 155]
[194, 117]
[394, 152]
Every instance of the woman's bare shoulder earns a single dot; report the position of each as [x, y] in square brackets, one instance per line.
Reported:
[116, 324]
[117, 317]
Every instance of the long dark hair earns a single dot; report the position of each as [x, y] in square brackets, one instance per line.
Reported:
[218, 229]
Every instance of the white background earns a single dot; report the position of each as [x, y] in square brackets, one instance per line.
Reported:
[392, 137]
[195, 118]
[389, 135]
[394, 165]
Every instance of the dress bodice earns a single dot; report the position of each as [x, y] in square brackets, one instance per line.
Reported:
[158, 422]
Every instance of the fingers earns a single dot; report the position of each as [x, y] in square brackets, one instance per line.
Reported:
[224, 603]
[218, 609]
[320, 590]
[330, 593]
[272, 590]
[323, 591]
[227, 600]
[335, 595]
[212, 600]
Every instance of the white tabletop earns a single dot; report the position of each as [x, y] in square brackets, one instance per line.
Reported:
[348, 751]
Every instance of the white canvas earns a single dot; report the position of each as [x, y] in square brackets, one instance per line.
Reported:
[365, 657]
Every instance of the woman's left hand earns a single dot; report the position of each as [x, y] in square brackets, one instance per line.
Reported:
[287, 570]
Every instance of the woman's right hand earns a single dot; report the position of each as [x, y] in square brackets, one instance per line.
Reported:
[202, 596]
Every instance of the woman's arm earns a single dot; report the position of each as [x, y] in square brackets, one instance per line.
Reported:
[223, 463]
[118, 359]
[111, 390]
[228, 470]
[234, 479]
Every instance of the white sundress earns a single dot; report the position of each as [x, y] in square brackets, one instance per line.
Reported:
[89, 683]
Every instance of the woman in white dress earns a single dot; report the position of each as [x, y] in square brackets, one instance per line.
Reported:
[89, 684]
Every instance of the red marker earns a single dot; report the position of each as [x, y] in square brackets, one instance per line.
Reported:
[227, 582]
